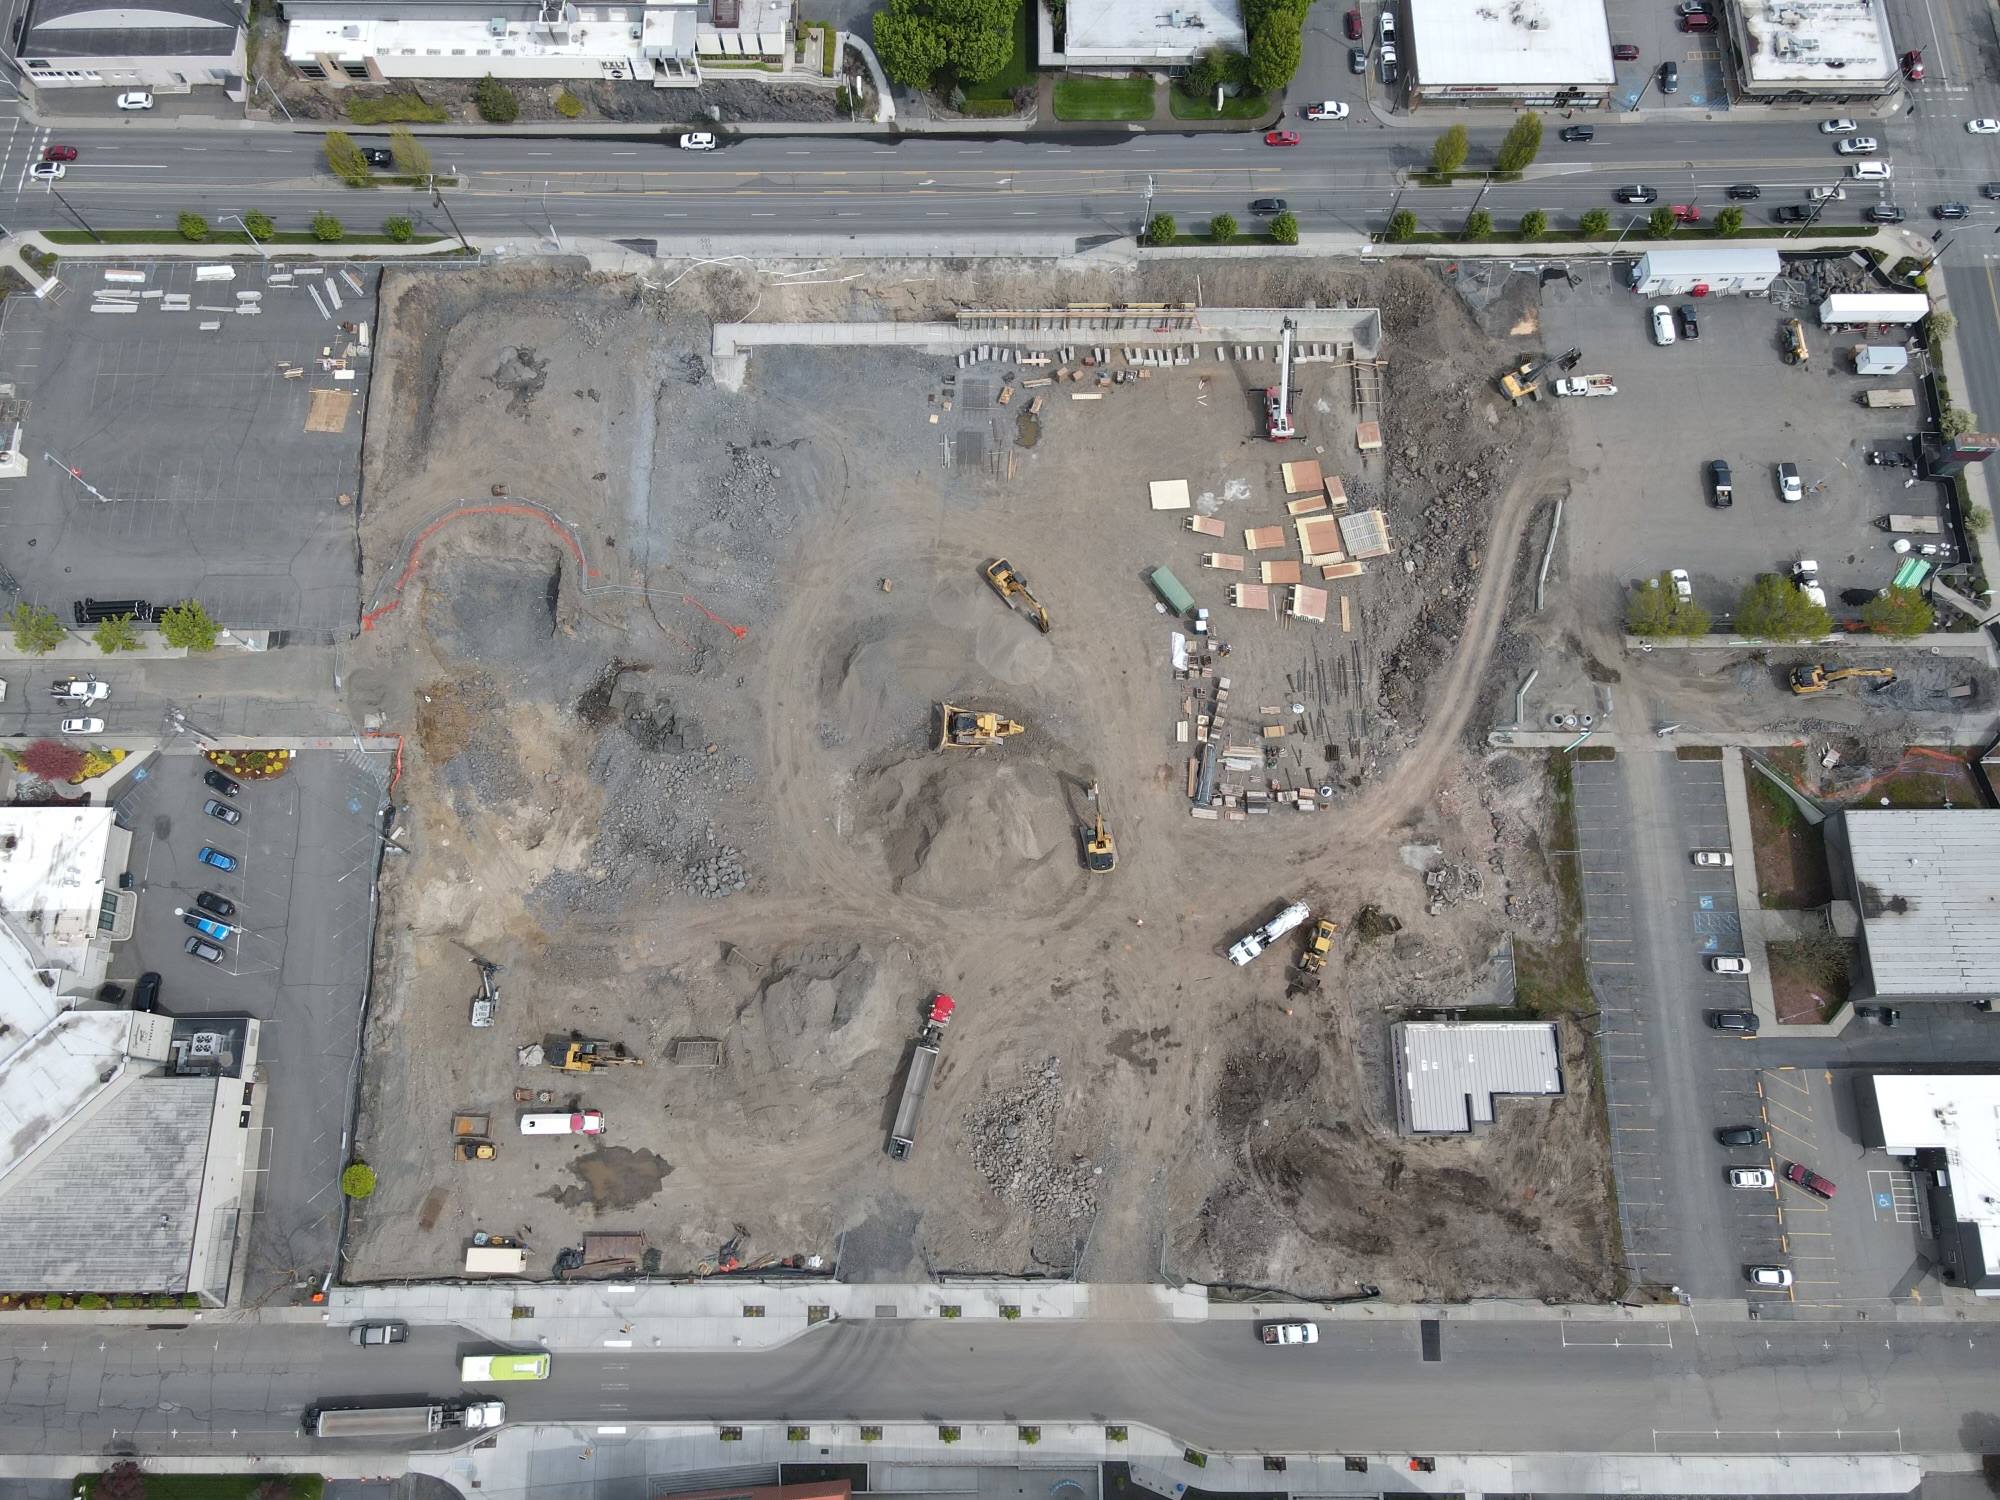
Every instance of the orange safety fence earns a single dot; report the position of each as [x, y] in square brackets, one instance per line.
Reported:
[417, 547]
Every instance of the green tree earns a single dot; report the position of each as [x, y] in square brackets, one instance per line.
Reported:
[412, 156]
[1656, 610]
[1160, 230]
[1521, 145]
[1773, 608]
[1205, 74]
[187, 625]
[1534, 224]
[345, 158]
[36, 631]
[400, 228]
[1956, 422]
[1942, 324]
[1222, 228]
[1728, 220]
[1402, 226]
[1478, 224]
[115, 635]
[258, 225]
[1595, 223]
[973, 39]
[1448, 151]
[358, 1181]
[1898, 612]
[495, 101]
[1977, 518]
[193, 227]
[569, 106]
[1276, 50]
[326, 228]
[1285, 228]
[1662, 222]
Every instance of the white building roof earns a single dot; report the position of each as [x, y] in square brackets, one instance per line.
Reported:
[52, 867]
[615, 39]
[1447, 1074]
[1720, 262]
[54, 1073]
[1473, 43]
[1927, 882]
[1822, 44]
[1958, 1114]
[1166, 29]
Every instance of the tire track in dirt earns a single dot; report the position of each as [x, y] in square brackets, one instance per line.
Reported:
[1413, 779]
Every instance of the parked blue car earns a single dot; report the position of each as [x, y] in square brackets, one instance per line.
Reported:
[210, 855]
[218, 930]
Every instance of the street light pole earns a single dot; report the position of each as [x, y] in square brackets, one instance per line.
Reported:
[438, 201]
[75, 215]
[1146, 217]
[238, 220]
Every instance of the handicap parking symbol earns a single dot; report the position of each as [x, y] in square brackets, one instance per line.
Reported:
[1706, 903]
[1884, 1202]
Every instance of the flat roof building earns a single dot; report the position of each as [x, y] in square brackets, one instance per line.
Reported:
[1948, 1126]
[1809, 51]
[166, 45]
[1138, 33]
[1926, 882]
[59, 892]
[1548, 52]
[1711, 271]
[1448, 1074]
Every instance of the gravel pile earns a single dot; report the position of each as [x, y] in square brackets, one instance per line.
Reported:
[1011, 1138]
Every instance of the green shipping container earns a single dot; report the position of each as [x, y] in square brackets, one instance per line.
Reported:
[1178, 599]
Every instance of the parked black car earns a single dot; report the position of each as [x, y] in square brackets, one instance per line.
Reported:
[375, 156]
[1740, 1135]
[214, 905]
[216, 781]
[146, 995]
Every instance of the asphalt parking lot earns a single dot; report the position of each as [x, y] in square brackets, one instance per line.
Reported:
[1728, 394]
[1653, 26]
[206, 483]
[306, 848]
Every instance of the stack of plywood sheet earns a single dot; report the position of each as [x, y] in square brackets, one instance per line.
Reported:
[1249, 596]
[1307, 603]
[1205, 525]
[1319, 540]
[1263, 538]
[1170, 494]
[1311, 505]
[1336, 493]
[1368, 436]
[1229, 562]
[1281, 572]
[1302, 477]
[1343, 570]
[1366, 534]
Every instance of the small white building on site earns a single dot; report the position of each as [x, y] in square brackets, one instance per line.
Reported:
[1449, 1074]
[1552, 53]
[1712, 271]
[1812, 51]
[1874, 307]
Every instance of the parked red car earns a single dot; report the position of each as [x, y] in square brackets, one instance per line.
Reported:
[1687, 213]
[1282, 138]
[1913, 65]
[1810, 1180]
[1625, 52]
[1354, 25]
[59, 153]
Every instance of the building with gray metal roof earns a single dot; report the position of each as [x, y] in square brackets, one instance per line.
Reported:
[1448, 1074]
[1927, 884]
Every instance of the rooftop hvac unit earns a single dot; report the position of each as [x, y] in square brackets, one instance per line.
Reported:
[350, 32]
[497, 26]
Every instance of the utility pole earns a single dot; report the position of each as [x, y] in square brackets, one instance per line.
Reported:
[545, 215]
[1147, 217]
[75, 215]
[238, 220]
[437, 201]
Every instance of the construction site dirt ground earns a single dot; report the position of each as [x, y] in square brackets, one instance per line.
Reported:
[679, 785]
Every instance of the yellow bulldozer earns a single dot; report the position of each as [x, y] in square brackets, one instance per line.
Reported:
[582, 1055]
[1816, 679]
[972, 729]
[1319, 943]
[1013, 591]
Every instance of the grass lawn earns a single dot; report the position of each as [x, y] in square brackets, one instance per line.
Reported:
[1245, 106]
[221, 243]
[1020, 70]
[215, 1486]
[1104, 99]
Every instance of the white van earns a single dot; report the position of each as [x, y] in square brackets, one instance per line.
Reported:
[1869, 171]
[588, 1122]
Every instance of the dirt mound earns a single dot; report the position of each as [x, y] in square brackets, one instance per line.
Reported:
[821, 1009]
[975, 830]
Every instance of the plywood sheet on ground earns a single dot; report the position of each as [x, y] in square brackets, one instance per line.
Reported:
[1343, 570]
[1206, 525]
[1368, 436]
[1319, 540]
[1306, 506]
[1302, 476]
[1281, 572]
[1169, 494]
[1366, 534]
[1263, 538]
[1229, 562]
[328, 412]
[1249, 596]
[1336, 493]
[1308, 603]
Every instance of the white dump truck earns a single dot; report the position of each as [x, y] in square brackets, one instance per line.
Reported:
[1258, 939]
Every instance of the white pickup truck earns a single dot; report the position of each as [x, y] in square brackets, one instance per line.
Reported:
[79, 690]
[1586, 385]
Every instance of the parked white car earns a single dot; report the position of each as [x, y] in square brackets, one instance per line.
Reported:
[1835, 127]
[1777, 1277]
[1663, 324]
[1714, 859]
[135, 101]
[1859, 145]
[1728, 964]
[1683, 585]
[83, 726]
[699, 140]
[1751, 1177]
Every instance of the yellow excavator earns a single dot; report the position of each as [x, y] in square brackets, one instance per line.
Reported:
[582, 1055]
[973, 729]
[1816, 679]
[1099, 852]
[1012, 587]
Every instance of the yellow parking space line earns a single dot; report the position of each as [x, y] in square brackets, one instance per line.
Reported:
[1778, 1075]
